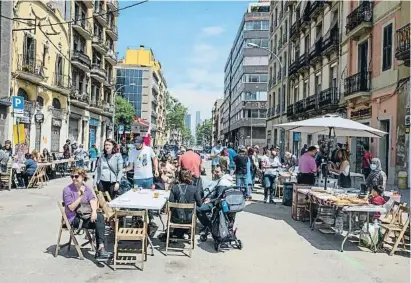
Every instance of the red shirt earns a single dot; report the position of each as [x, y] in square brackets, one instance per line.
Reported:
[366, 159]
[191, 161]
[378, 200]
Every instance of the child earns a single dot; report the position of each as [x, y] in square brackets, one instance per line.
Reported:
[377, 199]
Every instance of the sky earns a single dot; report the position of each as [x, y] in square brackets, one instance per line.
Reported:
[191, 39]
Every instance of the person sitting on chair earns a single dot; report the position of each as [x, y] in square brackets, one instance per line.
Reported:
[31, 167]
[185, 192]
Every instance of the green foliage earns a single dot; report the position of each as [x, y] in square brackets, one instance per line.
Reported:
[125, 112]
[175, 117]
[204, 133]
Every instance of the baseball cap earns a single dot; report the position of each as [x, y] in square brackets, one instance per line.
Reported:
[138, 141]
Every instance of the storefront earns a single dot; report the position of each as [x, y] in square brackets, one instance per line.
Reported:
[55, 135]
[93, 131]
[74, 121]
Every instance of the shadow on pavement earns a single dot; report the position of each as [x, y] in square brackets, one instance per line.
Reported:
[315, 238]
[72, 254]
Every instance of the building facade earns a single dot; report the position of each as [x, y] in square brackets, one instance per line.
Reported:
[245, 79]
[187, 121]
[6, 9]
[215, 118]
[93, 58]
[375, 74]
[198, 118]
[40, 74]
[141, 82]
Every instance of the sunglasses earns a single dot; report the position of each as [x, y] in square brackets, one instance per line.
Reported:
[74, 176]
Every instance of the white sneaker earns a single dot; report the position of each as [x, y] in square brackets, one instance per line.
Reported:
[267, 200]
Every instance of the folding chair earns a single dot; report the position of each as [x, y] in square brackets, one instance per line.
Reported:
[107, 210]
[392, 210]
[6, 178]
[107, 195]
[65, 225]
[130, 234]
[191, 226]
[398, 227]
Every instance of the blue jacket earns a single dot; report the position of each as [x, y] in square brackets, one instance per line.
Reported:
[93, 152]
[31, 166]
[231, 155]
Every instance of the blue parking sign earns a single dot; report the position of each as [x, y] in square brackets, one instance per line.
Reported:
[18, 104]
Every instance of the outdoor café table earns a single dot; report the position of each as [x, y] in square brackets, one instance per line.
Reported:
[143, 199]
[367, 209]
[59, 164]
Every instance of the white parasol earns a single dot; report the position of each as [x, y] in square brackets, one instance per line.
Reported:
[332, 123]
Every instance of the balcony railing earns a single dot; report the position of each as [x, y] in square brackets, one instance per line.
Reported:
[316, 8]
[30, 66]
[329, 97]
[62, 80]
[403, 44]
[305, 19]
[81, 57]
[330, 41]
[100, 13]
[59, 114]
[303, 62]
[292, 70]
[295, 30]
[359, 82]
[85, 24]
[362, 14]
[315, 50]
[290, 110]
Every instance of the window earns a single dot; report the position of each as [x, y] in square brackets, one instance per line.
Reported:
[318, 83]
[254, 113]
[56, 103]
[387, 48]
[256, 25]
[45, 51]
[306, 43]
[306, 89]
[263, 113]
[29, 51]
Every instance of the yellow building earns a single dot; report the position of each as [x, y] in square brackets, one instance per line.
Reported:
[148, 95]
[40, 74]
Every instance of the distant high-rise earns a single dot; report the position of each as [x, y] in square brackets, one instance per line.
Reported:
[187, 121]
[198, 118]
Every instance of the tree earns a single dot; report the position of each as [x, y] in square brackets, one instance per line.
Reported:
[175, 117]
[187, 136]
[125, 112]
[204, 133]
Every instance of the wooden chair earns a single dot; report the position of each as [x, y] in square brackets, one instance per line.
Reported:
[391, 212]
[191, 226]
[107, 195]
[65, 225]
[38, 177]
[130, 234]
[397, 227]
[6, 178]
[107, 210]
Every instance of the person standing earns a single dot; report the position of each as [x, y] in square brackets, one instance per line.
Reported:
[142, 159]
[124, 151]
[307, 167]
[343, 171]
[66, 150]
[231, 154]
[366, 161]
[79, 155]
[109, 169]
[241, 161]
[93, 154]
[7, 148]
[191, 161]
[304, 149]
[270, 163]
[215, 155]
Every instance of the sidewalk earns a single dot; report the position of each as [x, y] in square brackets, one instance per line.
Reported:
[275, 248]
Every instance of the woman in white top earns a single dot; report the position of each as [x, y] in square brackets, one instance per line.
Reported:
[344, 178]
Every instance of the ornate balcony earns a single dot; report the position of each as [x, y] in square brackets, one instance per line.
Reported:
[315, 52]
[305, 19]
[292, 70]
[295, 30]
[330, 42]
[329, 98]
[111, 57]
[290, 110]
[359, 22]
[98, 44]
[81, 60]
[111, 30]
[112, 6]
[59, 114]
[83, 27]
[303, 63]
[100, 15]
[96, 104]
[79, 98]
[98, 73]
[316, 8]
[357, 85]
[88, 4]
[402, 51]
[30, 68]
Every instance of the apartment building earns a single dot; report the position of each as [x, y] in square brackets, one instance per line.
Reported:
[6, 9]
[278, 66]
[93, 58]
[313, 73]
[215, 118]
[246, 79]
[40, 74]
[141, 81]
[376, 67]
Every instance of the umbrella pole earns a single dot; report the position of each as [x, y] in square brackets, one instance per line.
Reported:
[328, 158]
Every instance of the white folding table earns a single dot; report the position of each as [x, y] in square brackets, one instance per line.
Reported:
[142, 199]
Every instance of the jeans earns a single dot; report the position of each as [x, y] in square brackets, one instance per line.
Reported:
[145, 183]
[93, 163]
[98, 226]
[269, 186]
[104, 186]
[202, 214]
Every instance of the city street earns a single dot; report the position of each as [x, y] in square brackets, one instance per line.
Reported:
[275, 247]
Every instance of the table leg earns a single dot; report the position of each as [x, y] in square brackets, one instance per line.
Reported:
[311, 213]
[148, 236]
[349, 231]
[161, 220]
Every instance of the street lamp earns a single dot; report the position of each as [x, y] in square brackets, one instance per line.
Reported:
[282, 136]
[115, 93]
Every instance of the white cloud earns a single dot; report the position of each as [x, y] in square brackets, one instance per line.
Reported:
[204, 54]
[212, 31]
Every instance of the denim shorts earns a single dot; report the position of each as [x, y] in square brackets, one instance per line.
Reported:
[145, 183]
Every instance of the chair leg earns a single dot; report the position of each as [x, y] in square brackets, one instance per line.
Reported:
[167, 239]
[397, 241]
[76, 245]
[142, 255]
[58, 241]
[90, 240]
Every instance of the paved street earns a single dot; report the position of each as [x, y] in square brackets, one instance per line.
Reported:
[275, 247]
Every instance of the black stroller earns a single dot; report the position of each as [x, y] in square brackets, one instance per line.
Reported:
[227, 205]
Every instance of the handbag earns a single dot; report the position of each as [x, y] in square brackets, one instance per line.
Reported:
[83, 211]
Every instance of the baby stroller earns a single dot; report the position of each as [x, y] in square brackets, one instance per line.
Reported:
[228, 204]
